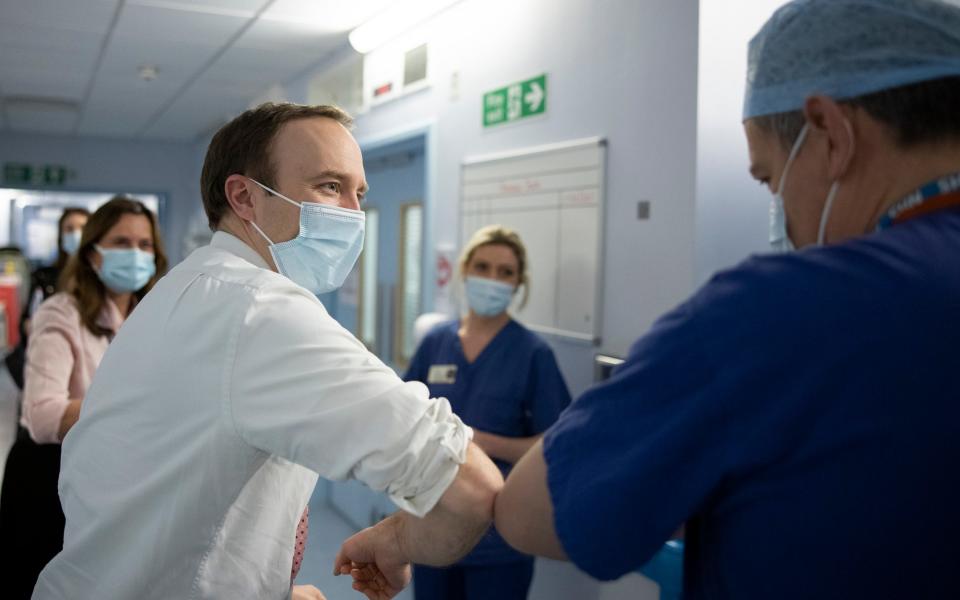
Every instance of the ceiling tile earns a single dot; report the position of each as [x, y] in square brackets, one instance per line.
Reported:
[242, 8]
[87, 15]
[148, 23]
[40, 40]
[175, 63]
[50, 48]
[28, 82]
[40, 117]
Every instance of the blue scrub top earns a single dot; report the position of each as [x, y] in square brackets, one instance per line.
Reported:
[800, 413]
[513, 388]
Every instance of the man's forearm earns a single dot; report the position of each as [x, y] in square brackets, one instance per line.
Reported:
[459, 520]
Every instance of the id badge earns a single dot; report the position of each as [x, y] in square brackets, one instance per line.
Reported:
[442, 374]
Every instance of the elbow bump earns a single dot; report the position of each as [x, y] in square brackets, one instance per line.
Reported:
[508, 523]
[484, 492]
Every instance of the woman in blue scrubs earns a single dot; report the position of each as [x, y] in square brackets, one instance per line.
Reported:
[502, 380]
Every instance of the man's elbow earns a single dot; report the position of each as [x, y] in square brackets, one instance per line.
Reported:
[508, 517]
[525, 521]
[476, 488]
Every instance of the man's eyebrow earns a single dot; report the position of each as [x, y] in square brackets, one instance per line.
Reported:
[330, 174]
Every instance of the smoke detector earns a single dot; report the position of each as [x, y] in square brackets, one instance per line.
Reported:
[148, 72]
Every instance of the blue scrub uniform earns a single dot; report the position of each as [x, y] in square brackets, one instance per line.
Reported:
[800, 413]
[514, 389]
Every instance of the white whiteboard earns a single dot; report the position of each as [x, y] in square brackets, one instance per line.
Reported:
[553, 197]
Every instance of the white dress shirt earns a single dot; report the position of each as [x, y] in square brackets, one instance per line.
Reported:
[199, 442]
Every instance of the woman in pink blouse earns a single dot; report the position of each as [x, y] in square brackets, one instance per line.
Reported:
[119, 259]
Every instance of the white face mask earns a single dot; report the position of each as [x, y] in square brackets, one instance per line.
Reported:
[779, 238]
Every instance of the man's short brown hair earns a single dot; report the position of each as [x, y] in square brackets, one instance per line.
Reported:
[243, 146]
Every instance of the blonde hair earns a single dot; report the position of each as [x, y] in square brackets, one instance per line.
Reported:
[492, 235]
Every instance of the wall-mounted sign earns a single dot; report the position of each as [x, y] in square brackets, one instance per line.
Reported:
[27, 174]
[516, 101]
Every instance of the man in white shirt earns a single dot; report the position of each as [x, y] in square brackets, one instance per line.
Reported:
[230, 388]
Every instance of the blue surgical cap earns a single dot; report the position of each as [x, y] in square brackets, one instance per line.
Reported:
[849, 48]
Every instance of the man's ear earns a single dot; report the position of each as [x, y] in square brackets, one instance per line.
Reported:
[826, 116]
[238, 190]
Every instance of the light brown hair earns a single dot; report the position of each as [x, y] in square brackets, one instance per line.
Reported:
[499, 235]
[82, 282]
[243, 146]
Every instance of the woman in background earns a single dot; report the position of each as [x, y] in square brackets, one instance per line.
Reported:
[119, 259]
[502, 380]
[43, 283]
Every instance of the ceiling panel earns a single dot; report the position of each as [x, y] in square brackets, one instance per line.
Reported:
[102, 122]
[63, 85]
[244, 8]
[41, 38]
[175, 63]
[172, 27]
[197, 111]
[41, 117]
[50, 64]
[213, 59]
[84, 15]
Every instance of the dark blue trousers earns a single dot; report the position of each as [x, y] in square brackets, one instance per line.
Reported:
[508, 581]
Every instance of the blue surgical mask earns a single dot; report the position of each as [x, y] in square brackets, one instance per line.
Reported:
[125, 270]
[324, 252]
[71, 241]
[779, 239]
[488, 297]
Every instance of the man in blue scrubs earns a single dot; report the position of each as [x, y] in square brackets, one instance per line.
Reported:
[799, 415]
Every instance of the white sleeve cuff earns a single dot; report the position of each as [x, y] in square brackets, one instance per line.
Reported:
[438, 448]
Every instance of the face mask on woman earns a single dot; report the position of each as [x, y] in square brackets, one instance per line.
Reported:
[488, 297]
[71, 241]
[125, 270]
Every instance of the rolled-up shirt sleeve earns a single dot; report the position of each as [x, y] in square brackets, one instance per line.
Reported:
[49, 366]
[301, 387]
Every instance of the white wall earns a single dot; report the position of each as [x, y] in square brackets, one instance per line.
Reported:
[732, 209]
[103, 165]
[621, 69]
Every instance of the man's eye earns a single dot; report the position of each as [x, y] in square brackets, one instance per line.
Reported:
[332, 186]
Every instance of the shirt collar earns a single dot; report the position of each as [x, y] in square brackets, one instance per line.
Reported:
[234, 245]
[110, 317]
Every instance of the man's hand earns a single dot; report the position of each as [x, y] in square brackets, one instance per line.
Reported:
[375, 560]
[370, 581]
[306, 592]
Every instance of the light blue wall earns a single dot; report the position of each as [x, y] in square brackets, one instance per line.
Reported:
[103, 165]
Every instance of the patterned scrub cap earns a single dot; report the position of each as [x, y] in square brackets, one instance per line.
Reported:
[849, 48]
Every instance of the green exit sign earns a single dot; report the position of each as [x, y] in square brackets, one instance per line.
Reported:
[27, 174]
[516, 101]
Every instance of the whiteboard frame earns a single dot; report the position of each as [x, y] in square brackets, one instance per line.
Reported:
[595, 338]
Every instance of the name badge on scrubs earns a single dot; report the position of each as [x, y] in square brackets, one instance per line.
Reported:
[442, 374]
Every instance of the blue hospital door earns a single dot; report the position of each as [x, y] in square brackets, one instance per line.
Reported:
[382, 296]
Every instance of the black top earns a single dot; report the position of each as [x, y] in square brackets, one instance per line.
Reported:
[43, 279]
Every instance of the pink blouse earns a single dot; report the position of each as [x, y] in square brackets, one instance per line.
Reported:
[62, 356]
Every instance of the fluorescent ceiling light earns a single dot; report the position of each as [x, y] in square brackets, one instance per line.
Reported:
[324, 15]
[400, 17]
